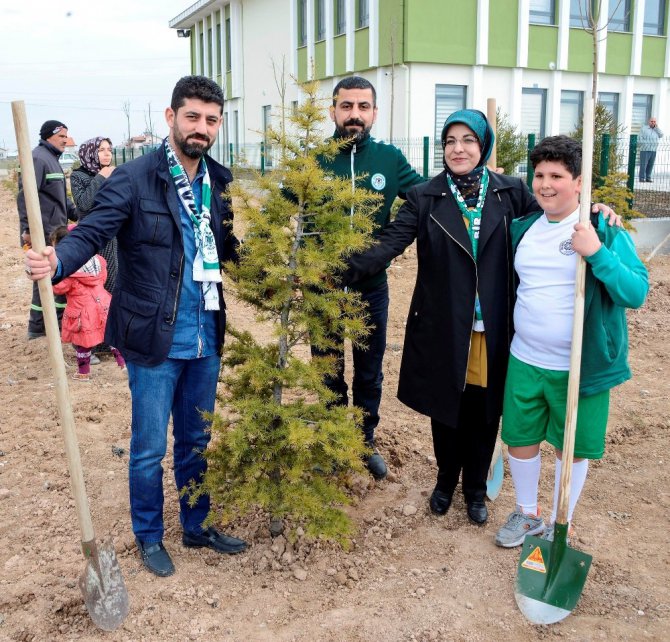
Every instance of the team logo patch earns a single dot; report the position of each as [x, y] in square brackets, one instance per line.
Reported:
[566, 247]
[378, 181]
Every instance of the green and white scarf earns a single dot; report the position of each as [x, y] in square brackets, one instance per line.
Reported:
[474, 216]
[206, 266]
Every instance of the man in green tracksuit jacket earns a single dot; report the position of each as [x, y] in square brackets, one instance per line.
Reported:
[382, 169]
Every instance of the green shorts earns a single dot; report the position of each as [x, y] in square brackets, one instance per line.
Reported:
[534, 411]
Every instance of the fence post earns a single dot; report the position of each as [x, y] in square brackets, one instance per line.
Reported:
[604, 158]
[262, 158]
[426, 148]
[232, 158]
[123, 154]
[530, 172]
[632, 154]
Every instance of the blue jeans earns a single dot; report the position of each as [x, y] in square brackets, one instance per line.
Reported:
[647, 160]
[368, 375]
[185, 388]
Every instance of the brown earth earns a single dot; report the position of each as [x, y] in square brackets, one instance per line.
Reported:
[409, 575]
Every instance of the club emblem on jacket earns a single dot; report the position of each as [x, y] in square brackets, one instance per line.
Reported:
[378, 181]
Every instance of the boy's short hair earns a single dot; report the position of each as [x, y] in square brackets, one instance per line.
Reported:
[561, 149]
[200, 87]
[354, 82]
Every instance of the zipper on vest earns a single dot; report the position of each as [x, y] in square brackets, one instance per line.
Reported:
[474, 312]
[176, 299]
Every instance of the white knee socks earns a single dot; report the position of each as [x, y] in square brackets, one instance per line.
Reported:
[579, 471]
[526, 476]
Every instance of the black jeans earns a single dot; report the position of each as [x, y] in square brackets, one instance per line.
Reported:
[467, 447]
[368, 375]
[36, 318]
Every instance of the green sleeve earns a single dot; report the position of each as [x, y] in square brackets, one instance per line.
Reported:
[619, 268]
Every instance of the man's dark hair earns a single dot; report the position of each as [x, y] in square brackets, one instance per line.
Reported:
[199, 87]
[561, 149]
[354, 82]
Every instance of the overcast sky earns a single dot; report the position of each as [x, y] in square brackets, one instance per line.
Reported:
[78, 61]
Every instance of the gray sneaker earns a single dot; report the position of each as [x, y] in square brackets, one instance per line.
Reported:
[518, 525]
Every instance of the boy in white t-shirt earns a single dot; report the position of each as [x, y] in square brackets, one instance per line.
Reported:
[547, 246]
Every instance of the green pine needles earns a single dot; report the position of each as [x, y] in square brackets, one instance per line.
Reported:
[279, 442]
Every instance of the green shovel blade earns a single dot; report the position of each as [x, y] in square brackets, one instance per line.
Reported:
[550, 577]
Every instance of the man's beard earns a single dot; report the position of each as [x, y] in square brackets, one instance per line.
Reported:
[189, 149]
[356, 136]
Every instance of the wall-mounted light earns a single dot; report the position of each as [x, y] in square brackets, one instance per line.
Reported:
[183, 33]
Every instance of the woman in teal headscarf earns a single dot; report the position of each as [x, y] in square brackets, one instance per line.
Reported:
[460, 320]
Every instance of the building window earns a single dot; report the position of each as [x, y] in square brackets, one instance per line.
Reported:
[266, 122]
[340, 17]
[302, 23]
[363, 14]
[218, 49]
[572, 107]
[210, 54]
[533, 111]
[654, 17]
[320, 20]
[578, 13]
[543, 12]
[201, 51]
[641, 111]
[236, 131]
[620, 17]
[226, 135]
[610, 101]
[448, 99]
[229, 64]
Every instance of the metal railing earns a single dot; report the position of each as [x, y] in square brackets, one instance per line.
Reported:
[424, 154]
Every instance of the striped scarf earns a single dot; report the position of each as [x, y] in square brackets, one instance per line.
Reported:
[206, 265]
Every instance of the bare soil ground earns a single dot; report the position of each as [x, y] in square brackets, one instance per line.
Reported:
[409, 575]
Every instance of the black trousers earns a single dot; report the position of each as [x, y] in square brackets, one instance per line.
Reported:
[36, 318]
[467, 447]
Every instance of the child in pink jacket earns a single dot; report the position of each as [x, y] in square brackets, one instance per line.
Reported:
[86, 311]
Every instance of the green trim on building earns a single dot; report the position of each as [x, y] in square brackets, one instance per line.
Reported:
[619, 53]
[362, 49]
[340, 55]
[542, 46]
[320, 59]
[653, 56]
[229, 85]
[192, 39]
[302, 64]
[580, 51]
[441, 31]
[503, 33]
[391, 41]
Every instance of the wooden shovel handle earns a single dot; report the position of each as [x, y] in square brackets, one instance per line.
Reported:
[51, 324]
[577, 323]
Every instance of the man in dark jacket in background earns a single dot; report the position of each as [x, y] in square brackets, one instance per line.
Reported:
[173, 224]
[55, 206]
[382, 169]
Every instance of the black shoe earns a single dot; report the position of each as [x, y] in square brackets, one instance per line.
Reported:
[211, 538]
[477, 512]
[156, 558]
[35, 335]
[439, 502]
[375, 463]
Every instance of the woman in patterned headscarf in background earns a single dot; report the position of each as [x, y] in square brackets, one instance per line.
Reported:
[95, 156]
